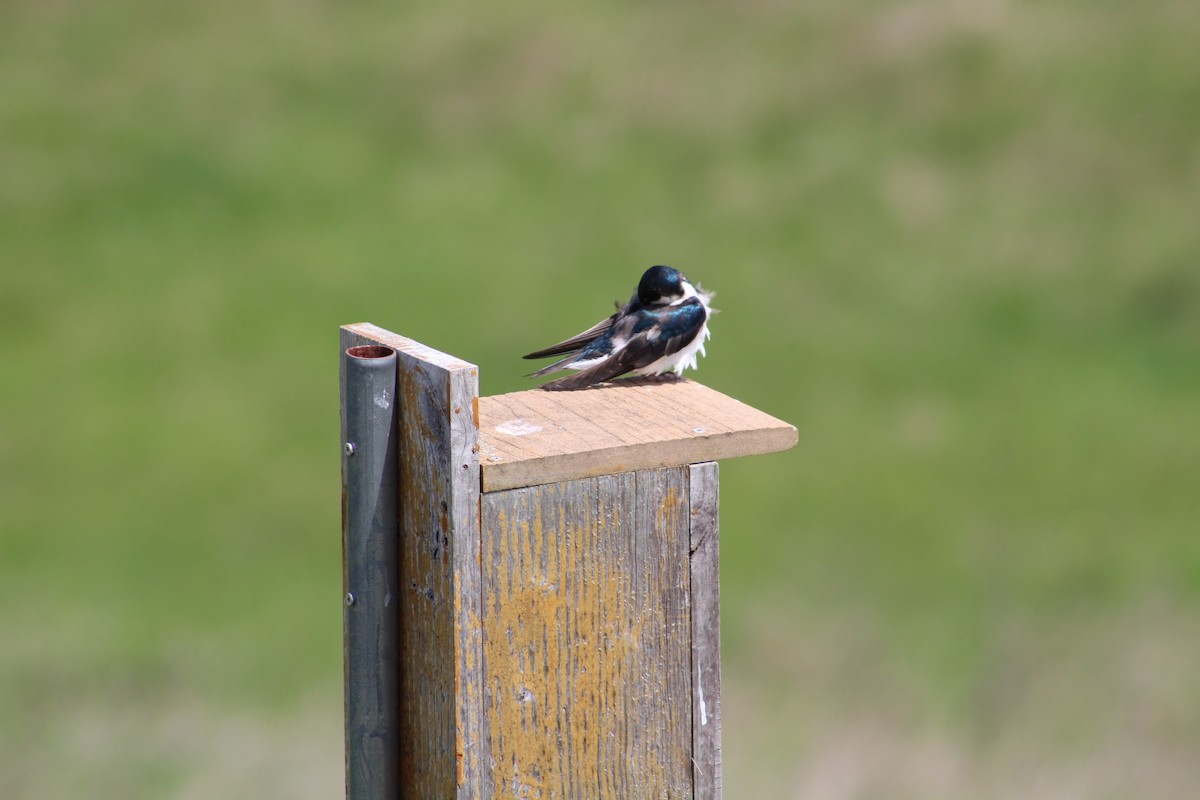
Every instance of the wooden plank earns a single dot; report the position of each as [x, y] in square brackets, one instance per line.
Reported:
[656, 686]
[540, 614]
[442, 734]
[706, 632]
[532, 437]
[586, 632]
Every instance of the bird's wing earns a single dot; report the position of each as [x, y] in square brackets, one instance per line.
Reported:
[605, 370]
[651, 335]
[576, 342]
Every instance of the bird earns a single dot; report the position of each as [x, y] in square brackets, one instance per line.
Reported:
[659, 332]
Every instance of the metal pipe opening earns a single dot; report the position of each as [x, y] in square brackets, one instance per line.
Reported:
[370, 351]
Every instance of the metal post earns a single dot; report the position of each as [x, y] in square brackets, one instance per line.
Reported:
[370, 579]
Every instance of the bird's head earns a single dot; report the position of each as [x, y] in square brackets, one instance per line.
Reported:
[662, 286]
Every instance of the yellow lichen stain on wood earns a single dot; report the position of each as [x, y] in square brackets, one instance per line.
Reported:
[518, 666]
[585, 639]
[669, 509]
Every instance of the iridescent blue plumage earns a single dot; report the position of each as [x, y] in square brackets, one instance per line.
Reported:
[661, 329]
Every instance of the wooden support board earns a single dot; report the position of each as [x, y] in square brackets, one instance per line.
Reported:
[533, 437]
[442, 739]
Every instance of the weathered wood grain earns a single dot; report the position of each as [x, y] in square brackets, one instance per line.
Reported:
[533, 437]
[706, 632]
[442, 736]
[587, 637]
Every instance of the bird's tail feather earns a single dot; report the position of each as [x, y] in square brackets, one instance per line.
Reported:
[555, 367]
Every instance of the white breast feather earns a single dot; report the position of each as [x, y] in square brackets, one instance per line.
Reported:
[686, 357]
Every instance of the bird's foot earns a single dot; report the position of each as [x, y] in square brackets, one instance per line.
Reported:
[661, 377]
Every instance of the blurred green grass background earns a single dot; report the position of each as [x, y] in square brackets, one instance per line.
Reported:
[955, 243]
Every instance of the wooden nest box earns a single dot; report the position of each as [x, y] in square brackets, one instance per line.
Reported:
[541, 619]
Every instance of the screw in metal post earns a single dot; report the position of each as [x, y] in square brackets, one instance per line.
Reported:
[349, 599]
[349, 448]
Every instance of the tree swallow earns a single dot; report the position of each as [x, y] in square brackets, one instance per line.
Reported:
[660, 330]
